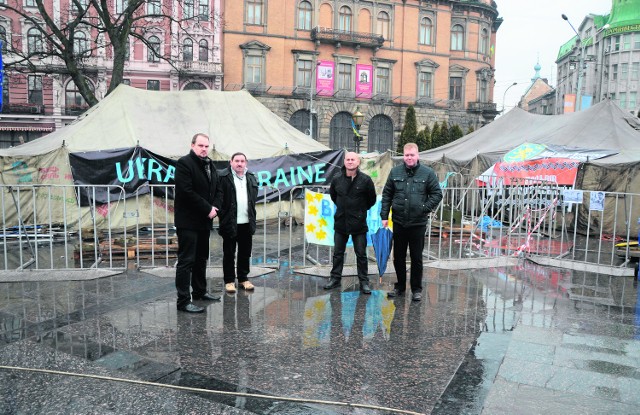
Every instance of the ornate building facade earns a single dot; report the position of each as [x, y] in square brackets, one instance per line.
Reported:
[312, 62]
[316, 62]
[608, 47]
[183, 52]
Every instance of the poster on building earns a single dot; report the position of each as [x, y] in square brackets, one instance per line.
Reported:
[569, 103]
[364, 84]
[324, 78]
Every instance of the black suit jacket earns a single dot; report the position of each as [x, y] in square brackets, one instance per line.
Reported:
[195, 194]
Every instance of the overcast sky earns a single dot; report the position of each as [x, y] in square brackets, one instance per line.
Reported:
[531, 31]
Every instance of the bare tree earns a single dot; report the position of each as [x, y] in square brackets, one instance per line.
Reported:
[61, 41]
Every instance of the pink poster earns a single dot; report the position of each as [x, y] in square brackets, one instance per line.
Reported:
[364, 81]
[324, 78]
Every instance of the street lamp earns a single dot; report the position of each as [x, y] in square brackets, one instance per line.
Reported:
[358, 119]
[580, 64]
[504, 96]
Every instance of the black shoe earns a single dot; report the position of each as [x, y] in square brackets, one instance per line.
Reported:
[395, 293]
[364, 288]
[333, 283]
[416, 296]
[208, 297]
[191, 308]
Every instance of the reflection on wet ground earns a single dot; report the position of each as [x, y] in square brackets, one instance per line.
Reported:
[481, 341]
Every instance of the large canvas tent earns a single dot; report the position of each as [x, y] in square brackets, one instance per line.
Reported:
[138, 125]
[602, 127]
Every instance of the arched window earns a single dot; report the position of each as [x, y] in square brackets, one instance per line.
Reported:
[203, 51]
[304, 15]
[426, 27]
[457, 37]
[380, 134]
[187, 50]
[3, 38]
[383, 25]
[153, 51]
[300, 120]
[483, 48]
[74, 102]
[81, 44]
[344, 22]
[340, 132]
[194, 86]
[34, 41]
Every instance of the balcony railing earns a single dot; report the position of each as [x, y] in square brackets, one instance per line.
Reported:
[25, 108]
[482, 106]
[75, 110]
[200, 67]
[339, 37]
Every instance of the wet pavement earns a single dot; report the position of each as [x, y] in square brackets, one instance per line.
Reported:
[500, 340]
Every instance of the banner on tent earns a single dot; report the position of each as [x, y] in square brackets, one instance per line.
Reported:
[135, 169]
[319, 210]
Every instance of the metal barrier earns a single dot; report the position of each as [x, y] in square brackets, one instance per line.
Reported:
[47, 227]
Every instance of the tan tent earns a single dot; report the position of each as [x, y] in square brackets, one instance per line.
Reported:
[160, 122]
[604, 126]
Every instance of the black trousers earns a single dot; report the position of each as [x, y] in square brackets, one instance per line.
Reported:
[359, 246]
[412, 237]
[243, 243]
[191, 271]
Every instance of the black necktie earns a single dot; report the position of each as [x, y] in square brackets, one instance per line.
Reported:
[207, 168]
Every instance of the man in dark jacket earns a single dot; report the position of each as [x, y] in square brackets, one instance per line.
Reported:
[196, 198]
[237, 221]
[412, 191]
[353, 193]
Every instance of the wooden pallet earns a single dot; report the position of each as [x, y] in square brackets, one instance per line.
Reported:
[143, 248]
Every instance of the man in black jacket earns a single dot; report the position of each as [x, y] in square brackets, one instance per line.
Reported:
[237, 221]
[412, 191]
[196, 197]
[353, 193]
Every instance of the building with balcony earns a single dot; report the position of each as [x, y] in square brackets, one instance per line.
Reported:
[183, 52]
[316, 62]
[609, 49]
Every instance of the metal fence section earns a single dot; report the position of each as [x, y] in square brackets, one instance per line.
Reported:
[62, 227]
[46, 227]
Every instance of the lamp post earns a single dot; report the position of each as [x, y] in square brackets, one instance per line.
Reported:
[312, 92]
[358, 119]
[580, 64]
[504, 96]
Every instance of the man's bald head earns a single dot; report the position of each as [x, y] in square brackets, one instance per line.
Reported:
[351, 162]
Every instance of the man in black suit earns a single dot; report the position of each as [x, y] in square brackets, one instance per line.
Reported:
[196, 197]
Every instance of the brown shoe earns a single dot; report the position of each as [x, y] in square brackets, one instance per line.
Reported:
[230, 287]
[246, 285]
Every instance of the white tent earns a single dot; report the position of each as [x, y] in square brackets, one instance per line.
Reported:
[164, 122]
[158, 122]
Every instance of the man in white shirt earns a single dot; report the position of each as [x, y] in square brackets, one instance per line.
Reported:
[237, 221]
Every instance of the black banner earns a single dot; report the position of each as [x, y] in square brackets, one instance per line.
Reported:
[134, 169]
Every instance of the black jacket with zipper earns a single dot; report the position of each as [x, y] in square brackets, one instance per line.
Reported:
[353, 198]
[412, 193]
[228, 212]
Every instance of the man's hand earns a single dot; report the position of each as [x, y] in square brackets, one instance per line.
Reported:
[385, 223]
[213, 213]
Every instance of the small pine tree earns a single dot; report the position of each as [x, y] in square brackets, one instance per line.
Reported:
[409, 132]
[455, 132]
[444, 133]
[424, 139]
[435, 136]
